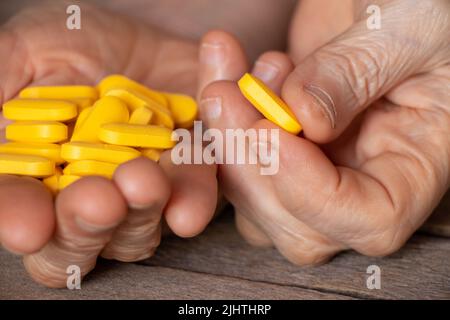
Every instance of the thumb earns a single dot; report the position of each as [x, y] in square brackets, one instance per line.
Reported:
[330, 87]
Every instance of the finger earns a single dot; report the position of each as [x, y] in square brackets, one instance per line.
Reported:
[221, 58]
[251, 232]
[16, 69]
[373, 210]
[146, 190]
[88, 211]
[194, 196]
[27, 216]
[272, 68]
[330, 87]
[329, 18]
[243, 184]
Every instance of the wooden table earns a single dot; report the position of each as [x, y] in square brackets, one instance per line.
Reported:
[220, 265]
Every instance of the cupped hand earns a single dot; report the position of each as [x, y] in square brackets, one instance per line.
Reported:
[119, 218]
[375, 157]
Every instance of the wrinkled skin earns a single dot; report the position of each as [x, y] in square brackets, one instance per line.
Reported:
[374, 157]
[118, 219]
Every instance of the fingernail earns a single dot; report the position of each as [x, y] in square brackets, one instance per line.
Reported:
[265, 71]
[212, 53]
[211, 108]
[324, 102]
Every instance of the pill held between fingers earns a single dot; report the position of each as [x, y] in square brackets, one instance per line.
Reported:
[105, 110]
[47, 150]
[91, 167]
[147, 136]
[134, 100]
[268, 103]
[37, 131]
[40, 110]
[183, 108]
[59, 92]
[65, 180]
[74, 151]
[26, 165]
[116, 81]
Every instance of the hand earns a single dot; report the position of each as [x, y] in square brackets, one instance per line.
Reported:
[118, 219]
[377, 105]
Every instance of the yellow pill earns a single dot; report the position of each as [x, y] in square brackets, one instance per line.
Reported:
[268, 103]
[134, 135]
[74, 151]
[36, 131]
[47, 150]
[81, 117]
[151, 153]
[40, 110]
[83, 103]
[66, 180]
[105, 110]
[52, 182]
[183, 108]
[26, 165]
[91, 167]
[142, 115]
[134, 100]
[121, 82]
[59, 92]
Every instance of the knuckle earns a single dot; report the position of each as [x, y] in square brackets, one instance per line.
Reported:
[386, 240]
[306, 253]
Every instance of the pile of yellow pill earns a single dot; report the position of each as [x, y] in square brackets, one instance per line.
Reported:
[62, 133]
[268, 103]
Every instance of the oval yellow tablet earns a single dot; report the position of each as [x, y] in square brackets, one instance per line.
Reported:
[151, 153]
[59, 92]
[65, 180]
[142, 115]
[52, 182]
[74, 151]
[134, 135]
[105, 110]
[81, 117]
[183, 108]
[26, 165]
[40, 110]
[83, 103]
[36, 131]
[268, 103]
[90, 168]
[116, 81]
[47, 150]
[134, 100]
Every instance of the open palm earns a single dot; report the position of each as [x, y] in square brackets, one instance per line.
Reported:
[119, 219]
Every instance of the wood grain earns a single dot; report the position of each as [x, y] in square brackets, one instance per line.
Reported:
[420, 270]
[114, 280]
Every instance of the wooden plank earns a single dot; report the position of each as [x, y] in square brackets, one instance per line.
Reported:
[114, 280]
[439, 222]
[420, 270]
